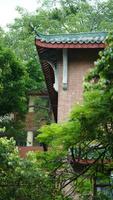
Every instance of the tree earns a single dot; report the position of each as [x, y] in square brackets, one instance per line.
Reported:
[106, 12]
[22, 178]
[13, 77]
[12, 83]
[20, 38]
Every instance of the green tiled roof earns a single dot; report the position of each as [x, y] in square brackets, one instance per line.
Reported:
[92, 37]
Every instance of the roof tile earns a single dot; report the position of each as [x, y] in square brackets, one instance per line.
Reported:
[92, 37]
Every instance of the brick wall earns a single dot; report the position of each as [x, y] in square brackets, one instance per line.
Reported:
[79, 62]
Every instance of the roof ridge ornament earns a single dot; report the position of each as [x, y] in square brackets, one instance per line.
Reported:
[34, 29]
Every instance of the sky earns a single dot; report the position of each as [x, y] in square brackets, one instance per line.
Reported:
[8, 12]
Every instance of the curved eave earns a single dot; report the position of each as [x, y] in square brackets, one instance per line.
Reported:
[49, 78]
[69, 45]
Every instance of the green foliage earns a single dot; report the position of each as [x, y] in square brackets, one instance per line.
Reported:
[102, 196]
[57, 134]
[84, 188]
[43, 111]
[15, 128]
[20, 38]
[12, 79]
[22, 178]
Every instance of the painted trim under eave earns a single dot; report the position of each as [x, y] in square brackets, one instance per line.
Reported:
[70, 45]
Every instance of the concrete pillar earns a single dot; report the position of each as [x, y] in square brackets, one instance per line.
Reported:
[30, 138]
[30, 110]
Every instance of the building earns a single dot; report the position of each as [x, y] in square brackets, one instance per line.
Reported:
[34, 110]
[65, 59]
[36, 116]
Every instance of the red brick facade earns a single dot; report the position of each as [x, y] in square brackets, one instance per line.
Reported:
[79, 62]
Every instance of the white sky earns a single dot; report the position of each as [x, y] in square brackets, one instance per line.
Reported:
[8, 12]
